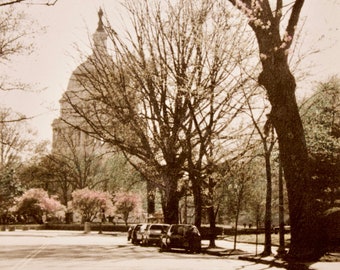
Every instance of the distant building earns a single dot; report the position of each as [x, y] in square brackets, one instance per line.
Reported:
[81, 160]
[65, 132]
[90, 162]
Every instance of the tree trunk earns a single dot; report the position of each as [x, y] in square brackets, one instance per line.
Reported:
[211, 213]
[280, 85]
[306, 236]
[212, 228]
[171, 200]
[197, 194]
[281, 250]
[171, 210]
[268, 214]
[151, 191]
[235, 230]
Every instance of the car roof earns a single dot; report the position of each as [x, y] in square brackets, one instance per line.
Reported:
[159, 225]
[183, 225]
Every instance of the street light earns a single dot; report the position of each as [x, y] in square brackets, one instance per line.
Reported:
[101, 217]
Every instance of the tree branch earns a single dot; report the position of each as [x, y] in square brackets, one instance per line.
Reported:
[20, 1]
[293, 20]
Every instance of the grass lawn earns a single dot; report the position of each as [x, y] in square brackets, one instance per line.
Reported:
[332, 256]
[251, 238]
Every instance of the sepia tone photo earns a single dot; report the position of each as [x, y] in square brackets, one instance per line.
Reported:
[169, 134]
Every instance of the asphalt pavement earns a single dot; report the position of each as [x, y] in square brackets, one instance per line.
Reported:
[44, 242]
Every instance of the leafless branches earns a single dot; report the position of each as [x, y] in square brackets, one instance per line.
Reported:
[172, 89]
[28, 2]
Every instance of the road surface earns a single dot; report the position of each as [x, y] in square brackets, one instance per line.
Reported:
[76, 250]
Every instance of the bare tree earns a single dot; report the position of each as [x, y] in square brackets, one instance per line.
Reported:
[84, 158]
[215, 101]
[238, 183]
[14, 143]
[12, 42]
[268, 140]
[144, 100]
[14, 35]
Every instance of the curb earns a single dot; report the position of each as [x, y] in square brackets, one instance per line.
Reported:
[270, 261]
[224, 252]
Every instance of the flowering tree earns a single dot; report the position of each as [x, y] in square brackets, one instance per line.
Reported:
[266, 19]
[91, 203]
[36, 202]
[127, 202]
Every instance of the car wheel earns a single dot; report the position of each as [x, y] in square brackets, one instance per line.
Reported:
[197, 250]
[144, 242]
[161, 248]
[164, 247]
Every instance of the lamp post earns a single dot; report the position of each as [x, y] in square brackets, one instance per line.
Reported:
[101, 217]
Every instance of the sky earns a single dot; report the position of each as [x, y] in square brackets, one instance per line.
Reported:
[70, 23]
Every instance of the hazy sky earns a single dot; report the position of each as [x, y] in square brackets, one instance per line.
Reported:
[71, 22]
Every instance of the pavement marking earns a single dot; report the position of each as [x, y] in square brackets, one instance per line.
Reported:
[22, 263]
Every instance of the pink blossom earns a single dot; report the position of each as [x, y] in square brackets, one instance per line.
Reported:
[127, 202]
[91, 203]
[42, 203]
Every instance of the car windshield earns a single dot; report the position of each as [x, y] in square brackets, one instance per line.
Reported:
[179, 229]
[143, 227]
[183, 229]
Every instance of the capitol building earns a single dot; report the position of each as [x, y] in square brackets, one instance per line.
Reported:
[68, 129]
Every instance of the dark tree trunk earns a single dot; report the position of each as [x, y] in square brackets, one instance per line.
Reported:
[151, 191]
[211, 214]
[281, 250]
[212, 229]
[268, 214]
[171, 210]
[171, 200]
[65, 197]
[197, 194]
[236, 225]
[280, 84]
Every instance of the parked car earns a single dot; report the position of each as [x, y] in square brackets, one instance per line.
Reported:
[134, 233]
[183, 236]
[130, 231]
[138, 232]
[152, 234]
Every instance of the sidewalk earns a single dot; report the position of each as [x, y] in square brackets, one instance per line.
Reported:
[250, 252]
